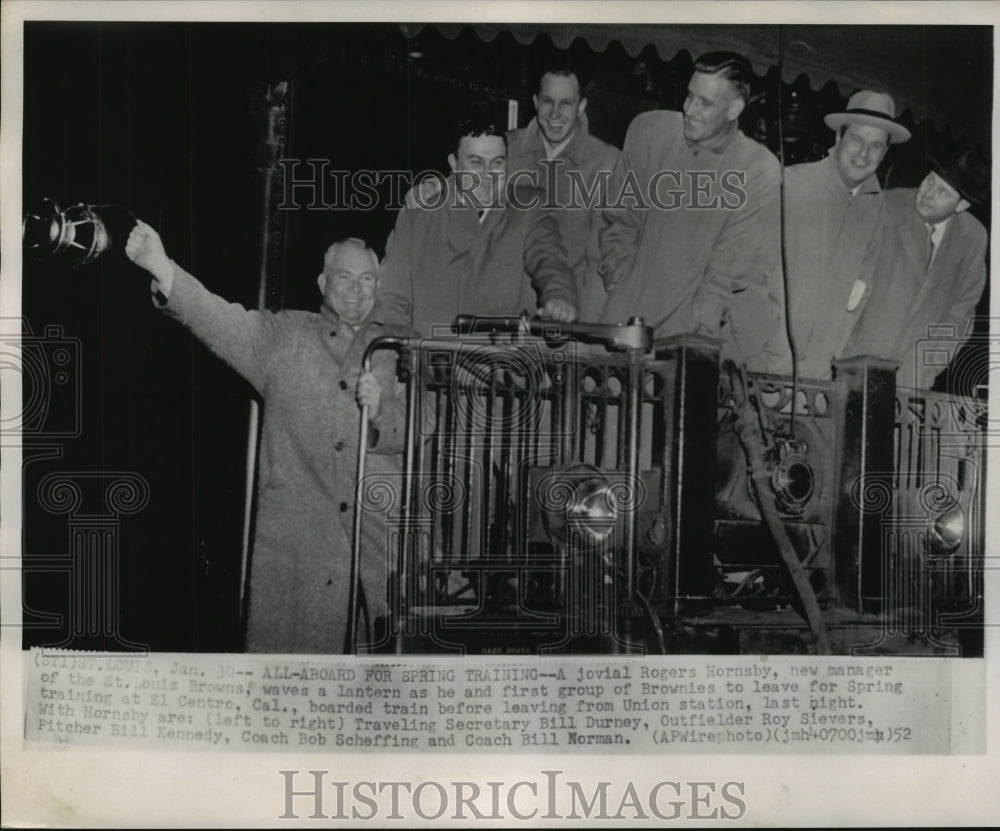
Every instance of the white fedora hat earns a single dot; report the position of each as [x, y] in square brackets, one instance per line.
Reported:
[874, 109]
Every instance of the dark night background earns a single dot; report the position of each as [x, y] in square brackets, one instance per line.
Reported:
[161, 118]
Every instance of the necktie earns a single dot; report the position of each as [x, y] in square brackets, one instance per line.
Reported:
[930, 245]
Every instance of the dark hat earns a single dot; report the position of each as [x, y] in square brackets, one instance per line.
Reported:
[873, 109]
[968, 174]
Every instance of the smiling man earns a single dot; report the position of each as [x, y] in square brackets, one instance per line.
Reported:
[931, 272]
[834, 210]
[305, 366]
[481, 245]
[560, 107]
[573, 168]
[691, 242]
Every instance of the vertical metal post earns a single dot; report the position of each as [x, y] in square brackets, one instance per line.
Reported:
[409, 543]
[569, 412]
[270, 108]
[691, 484]
[353, 598]
[866, 412]
[633, 404]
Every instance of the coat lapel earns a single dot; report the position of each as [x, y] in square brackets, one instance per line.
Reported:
[462, 230]
[939, 277]
[492, 225]
[913, 242]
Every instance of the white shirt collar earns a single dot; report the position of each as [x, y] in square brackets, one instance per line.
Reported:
[937, 229]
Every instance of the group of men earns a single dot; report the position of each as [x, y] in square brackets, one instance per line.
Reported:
[683, 228]
[686, 227]
[873, 273]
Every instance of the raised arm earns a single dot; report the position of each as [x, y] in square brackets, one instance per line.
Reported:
[742, 283]
[243, 339]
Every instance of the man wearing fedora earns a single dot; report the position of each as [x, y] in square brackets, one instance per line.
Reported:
[834, 210]
[931, 272]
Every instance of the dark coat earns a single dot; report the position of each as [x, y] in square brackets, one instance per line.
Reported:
[442, 261]
[298, 362]
[907, 298]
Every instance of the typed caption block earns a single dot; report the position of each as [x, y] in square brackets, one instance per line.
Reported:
[683, 704]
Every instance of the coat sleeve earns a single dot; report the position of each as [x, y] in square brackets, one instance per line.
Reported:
[545, 260]
[389, 429]
[873, 250]
[244, 339]
[742, 284]
[602, 174]
[395, 273]
[969, 284]
[618, 238]
[388, 435]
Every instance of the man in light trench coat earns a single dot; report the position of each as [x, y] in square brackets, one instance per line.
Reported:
[834, 213]
[306, 368]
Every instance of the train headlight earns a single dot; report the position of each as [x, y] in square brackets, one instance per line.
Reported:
[591, 511]
[947, 528]
[793, 484]
[792, 478]
[578, 501]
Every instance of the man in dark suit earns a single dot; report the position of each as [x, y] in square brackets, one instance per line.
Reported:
[931, 273]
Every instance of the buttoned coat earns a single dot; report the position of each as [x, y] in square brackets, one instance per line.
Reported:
[908, 298]
[576, 181]
[300, 364]
[832, 242]
[692, 240]
[441, 261]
